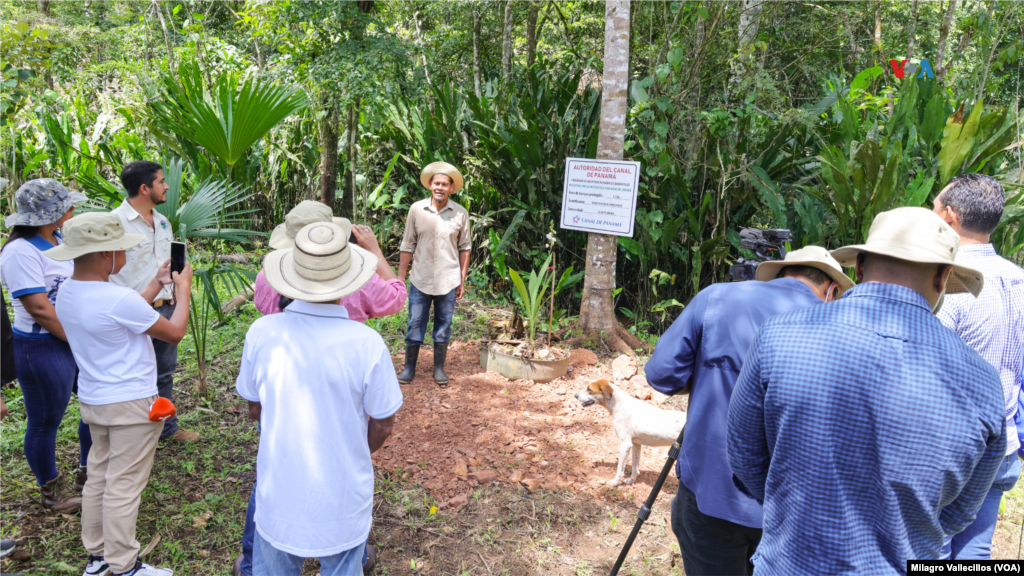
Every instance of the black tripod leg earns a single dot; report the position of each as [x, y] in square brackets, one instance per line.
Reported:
[645, 510]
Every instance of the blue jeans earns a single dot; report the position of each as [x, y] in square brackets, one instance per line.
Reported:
[166, 364]
[47, 374]
[711, 545]
[975, 542]
[419, 314]
[269, 561]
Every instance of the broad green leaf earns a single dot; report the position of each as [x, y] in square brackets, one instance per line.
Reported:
[631, 245]
[675, 56]
[638, 93]
[863, 80]
[957, 140]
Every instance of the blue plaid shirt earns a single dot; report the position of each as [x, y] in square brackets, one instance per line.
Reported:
[867, 429]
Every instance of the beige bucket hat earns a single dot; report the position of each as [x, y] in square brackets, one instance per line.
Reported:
[322, 266]
[93, 232]
[916, 235]
[441, 168]
[305, 213]
[813, 256]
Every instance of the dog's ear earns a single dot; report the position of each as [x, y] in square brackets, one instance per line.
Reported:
[604, 387]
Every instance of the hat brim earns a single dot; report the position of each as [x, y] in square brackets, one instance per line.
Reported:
[53, 213]
[65, 252]
[961, 279]
[767, 271]
[279, 269]
[441, 168]
[279, 239]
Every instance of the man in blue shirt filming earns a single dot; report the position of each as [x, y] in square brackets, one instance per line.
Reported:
[701, 354]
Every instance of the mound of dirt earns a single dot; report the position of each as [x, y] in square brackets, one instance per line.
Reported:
[485, 428]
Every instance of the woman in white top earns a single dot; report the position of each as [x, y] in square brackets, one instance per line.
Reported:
[45, 365]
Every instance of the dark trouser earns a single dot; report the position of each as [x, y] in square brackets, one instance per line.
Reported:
[166, 364]
[419, 314]
[711, 545]
[47, 374]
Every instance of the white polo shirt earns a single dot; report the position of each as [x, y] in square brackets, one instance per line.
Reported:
[318, 376]
[145, 259]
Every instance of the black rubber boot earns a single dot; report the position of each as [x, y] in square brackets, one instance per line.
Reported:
[411, 354]
[440, 352]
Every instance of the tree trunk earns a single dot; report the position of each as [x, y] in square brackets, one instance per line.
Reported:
[167, 36]
[476, 50]
[44, 7]
[750, 21]
[506, 42]
[419, 40]
[531, 33]
[878, 27]
[348, 197]
[940, 51]
[913, 29]
[329, 156]
[597, 315]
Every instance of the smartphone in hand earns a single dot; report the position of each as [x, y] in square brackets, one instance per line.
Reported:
[177, 256]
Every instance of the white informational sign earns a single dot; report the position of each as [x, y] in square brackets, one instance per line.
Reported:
[600, 196]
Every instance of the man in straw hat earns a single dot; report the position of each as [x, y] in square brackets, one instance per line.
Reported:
[437, 235]
[866, 428]
[993, 325]
[323, 388]
[109, 328]
[701, 354]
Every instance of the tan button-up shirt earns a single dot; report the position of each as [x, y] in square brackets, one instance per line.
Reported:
[145, 259]
[435, 240]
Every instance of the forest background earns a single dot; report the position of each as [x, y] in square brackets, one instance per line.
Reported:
[752, 113]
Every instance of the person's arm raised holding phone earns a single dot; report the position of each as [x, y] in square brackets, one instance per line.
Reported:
[173, 330]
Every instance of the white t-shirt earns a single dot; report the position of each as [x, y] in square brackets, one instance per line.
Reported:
[26, 270]
[106, 326]
[318, 375]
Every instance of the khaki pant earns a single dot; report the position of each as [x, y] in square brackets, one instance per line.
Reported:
[123, 446]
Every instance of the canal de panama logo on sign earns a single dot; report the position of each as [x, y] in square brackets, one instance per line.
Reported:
[901, 69]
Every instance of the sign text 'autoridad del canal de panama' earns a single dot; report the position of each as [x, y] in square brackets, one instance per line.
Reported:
[600, 196]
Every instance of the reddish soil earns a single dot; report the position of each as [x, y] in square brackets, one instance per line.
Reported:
[483, 427]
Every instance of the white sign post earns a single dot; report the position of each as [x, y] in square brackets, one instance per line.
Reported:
[600, 196]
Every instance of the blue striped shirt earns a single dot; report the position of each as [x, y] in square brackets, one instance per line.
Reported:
[867, 430]
[993, 323]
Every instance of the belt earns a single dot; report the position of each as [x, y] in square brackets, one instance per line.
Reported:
[159, 303]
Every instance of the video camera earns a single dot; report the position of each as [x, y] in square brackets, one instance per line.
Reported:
[763, 243]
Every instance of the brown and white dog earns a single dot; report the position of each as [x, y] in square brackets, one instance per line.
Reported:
[636, 422]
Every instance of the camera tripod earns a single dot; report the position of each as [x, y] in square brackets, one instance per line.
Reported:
[645, 510]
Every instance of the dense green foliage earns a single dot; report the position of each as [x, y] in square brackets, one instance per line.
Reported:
[802, 125]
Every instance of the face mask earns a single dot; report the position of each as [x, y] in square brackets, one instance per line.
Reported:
[831, 293]
[942, 295]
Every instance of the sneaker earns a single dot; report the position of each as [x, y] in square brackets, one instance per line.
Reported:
[182, 436]
[97, 566]
[6, 547]
[142, 569]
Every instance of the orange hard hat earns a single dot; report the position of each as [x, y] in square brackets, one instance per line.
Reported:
[161, 410]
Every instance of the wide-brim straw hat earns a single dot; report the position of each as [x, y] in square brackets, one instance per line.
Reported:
[93, 232]
[42, 201]
[916, 235]
[305, 213]
[813, 256]
[322, 266]
[441, 168]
